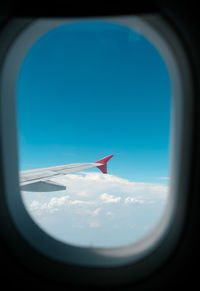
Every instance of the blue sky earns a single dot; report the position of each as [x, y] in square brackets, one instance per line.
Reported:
[87, 90]
[90, 89]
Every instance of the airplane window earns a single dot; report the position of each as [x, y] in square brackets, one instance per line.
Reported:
[94, 112]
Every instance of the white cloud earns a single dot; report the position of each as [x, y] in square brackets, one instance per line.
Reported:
[54, 204]
[92, 184]
[79, 202]
[82, 194]
[106, 198]
[58, 201]
[34, 205]
[104, 203]
[128, 200]
[95, 189]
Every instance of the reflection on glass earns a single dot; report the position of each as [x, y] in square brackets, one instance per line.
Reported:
[88, 90]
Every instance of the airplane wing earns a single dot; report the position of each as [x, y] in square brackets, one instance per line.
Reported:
[40, 180]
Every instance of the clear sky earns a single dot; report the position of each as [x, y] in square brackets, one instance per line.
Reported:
[90, 89]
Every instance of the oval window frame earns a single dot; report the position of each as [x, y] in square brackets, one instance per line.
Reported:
[123, 262]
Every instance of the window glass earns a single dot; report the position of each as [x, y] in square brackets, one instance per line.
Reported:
[87, 90]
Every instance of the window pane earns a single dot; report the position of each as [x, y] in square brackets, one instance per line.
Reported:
[87, 90]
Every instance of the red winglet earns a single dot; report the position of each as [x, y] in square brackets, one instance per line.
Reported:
[104, 161]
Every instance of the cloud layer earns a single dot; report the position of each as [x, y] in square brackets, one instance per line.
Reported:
[96, 202]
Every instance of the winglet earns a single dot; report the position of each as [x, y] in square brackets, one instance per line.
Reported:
[104, 161]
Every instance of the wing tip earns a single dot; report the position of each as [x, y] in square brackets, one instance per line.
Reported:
[104, 161]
